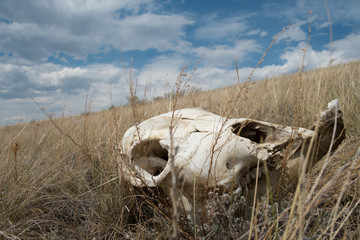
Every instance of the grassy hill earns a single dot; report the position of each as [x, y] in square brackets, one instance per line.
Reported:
[59, 178]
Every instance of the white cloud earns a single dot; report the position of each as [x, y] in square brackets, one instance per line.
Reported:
[33, 42]
[55, 84]
[294, 33]
[347, 49]
[61, 13]
[214, 77]
[37, 31]
[146, 31]
[322, 25]
[221, 29]
[160, 75]
[17, 80]
[225, 55]
[255, 32]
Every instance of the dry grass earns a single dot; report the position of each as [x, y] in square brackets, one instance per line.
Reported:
[59, 178]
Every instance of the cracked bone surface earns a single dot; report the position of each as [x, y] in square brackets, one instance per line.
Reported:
[211, 151]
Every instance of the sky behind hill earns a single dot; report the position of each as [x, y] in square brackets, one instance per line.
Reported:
[62, 53]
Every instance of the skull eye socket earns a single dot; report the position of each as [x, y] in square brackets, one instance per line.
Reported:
[251, 131]
[151, 148]
[259, 133]
[150, 156]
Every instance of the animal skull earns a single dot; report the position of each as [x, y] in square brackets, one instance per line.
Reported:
[213, 151]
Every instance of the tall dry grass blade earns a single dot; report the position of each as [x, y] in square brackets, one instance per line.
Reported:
[253, 218]
[180, 87]
[331, 33]
[13, 139]
[9, 236]
[334, 213]
[298, 201]
[327, 160]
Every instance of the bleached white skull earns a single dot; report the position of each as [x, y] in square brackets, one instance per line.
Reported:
[212, 151]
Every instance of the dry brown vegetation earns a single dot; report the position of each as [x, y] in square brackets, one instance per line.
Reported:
[59, 178]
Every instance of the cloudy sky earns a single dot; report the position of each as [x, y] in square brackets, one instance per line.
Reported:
[68, 54]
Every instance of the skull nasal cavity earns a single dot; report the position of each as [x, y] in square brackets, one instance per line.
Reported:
[150, 148]
[252, 131]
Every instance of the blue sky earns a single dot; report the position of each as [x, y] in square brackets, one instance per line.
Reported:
[58, 52]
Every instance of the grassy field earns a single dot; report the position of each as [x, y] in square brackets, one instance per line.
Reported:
[59, 177]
